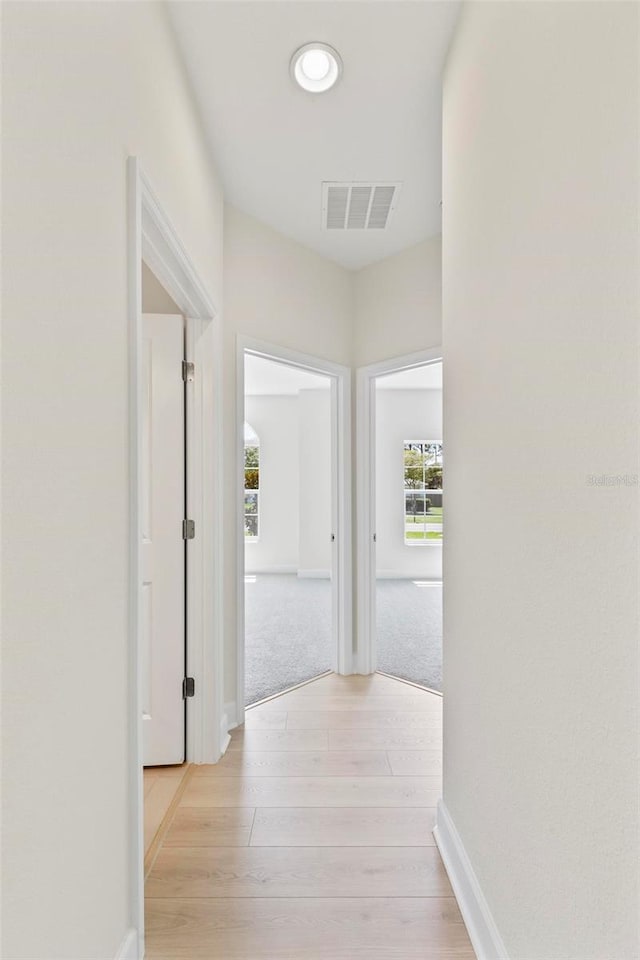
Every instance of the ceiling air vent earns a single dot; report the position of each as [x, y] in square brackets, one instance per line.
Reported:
[358, 206]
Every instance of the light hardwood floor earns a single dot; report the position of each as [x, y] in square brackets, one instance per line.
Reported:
[311, 839]
[161, 785]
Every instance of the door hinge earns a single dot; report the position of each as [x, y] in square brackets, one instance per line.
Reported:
[188, 371]
[188, 529]
[188, 687]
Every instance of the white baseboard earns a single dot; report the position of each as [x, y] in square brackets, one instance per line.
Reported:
[475, 911]
[225, 739]
[395, 575]
[311, 574]
[231, 714]
[227, 723]
[360, 664]
[129, 946]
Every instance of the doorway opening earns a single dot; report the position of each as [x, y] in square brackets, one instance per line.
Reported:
[164, 506]
[409, 519]
[164, 552]
[168, 302]
[294, 545]
[400, 532]
[288, 554]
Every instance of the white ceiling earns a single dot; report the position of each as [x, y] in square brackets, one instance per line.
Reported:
[268, 378]
[418, 378]
[274, 144]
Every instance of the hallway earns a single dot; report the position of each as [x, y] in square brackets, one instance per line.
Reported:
[312, 837]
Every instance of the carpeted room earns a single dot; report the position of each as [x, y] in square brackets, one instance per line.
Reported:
[288, 596]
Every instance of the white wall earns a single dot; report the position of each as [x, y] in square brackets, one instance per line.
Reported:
[295, 483]
[279, 291]
[398, 304]
[540, 270]
[84, 85]
[402, 416]
[275, 420]
[316, 459]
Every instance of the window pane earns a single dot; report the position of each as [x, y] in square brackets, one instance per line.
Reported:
[433, 453]
[252, 479]
[423, 492]
[251, 526]
[413, 467]
[416, 502]
[251, 457]
[433, 477]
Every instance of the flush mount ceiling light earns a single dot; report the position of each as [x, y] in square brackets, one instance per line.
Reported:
[316, 67]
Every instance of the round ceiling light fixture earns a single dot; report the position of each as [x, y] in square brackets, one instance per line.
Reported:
[316, 67]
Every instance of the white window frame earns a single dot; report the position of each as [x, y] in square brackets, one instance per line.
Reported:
[256, 491]
[424, 542]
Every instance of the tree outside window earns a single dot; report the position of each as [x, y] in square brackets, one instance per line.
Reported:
[423, 492]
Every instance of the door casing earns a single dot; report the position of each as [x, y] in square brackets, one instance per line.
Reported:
[164, 578]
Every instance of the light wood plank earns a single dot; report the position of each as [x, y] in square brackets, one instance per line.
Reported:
[148, 783]
[361, 719]
[392, 739]
[312, 792]
[268, 860]
[242, 739]
[295, 764]
[299, 872]
[150, 775]
[306, 929]
[210, 827]
[416, 763]
[343, 826]
[174, 770]
[265, 718]
[356, 686]
[357, 683]
[152, 848]
[417, 703]
[156, 805]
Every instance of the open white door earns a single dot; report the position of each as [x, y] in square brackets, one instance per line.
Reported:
[163, 568]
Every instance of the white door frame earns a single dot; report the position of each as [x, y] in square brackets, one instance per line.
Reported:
[152, 238]
[341, 498]
[366, 495]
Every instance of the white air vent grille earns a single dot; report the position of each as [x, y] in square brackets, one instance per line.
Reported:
[358, 206]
